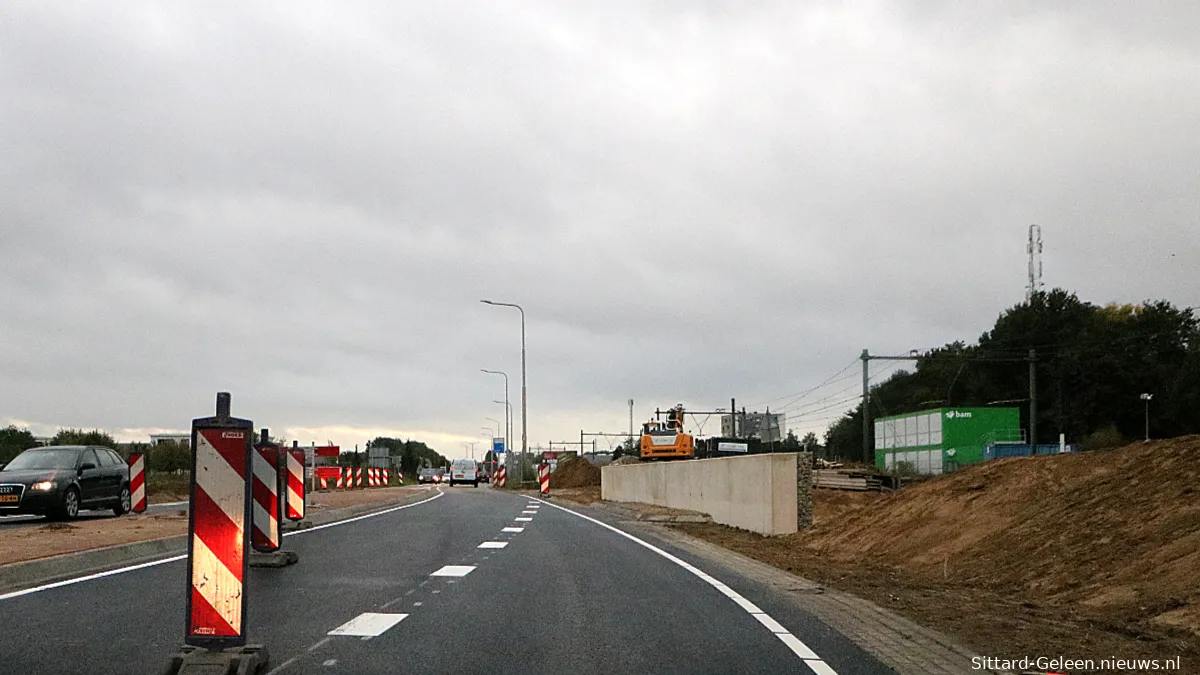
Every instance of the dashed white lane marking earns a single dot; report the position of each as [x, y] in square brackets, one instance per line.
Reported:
[523, 520]
[493, 544]
[368, 624]
[153, 563]
[507, 529]
[330, 662]
[529, 513]
[814, 662]
[453, 571]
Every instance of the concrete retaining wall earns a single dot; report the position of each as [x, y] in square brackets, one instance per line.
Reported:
[760, 493]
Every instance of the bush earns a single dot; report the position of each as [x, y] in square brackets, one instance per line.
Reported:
[905, 470]
[1106, 437]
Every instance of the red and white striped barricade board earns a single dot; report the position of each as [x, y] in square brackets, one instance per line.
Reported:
[137, 482]
[295, 484]
[265, 537]
[219, 529]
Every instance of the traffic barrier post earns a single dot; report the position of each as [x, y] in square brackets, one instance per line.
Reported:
[219, 519]
[500, 477]
[137, 482]
[386, 478]
[295, 489]
[358, 478]
[267, 536]
[544, 478]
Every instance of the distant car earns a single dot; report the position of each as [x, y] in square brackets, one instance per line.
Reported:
[464, 471]
[60, 481]
[427, 476]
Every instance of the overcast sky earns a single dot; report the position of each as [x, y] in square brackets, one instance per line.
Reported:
[303, 203]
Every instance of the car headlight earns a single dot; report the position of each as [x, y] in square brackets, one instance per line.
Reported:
[43, 486]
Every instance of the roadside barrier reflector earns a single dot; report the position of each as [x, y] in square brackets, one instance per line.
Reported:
[218, 538]
[265, 537]
[137, 482]
[295, 484]
[500, 477]
[544, 478]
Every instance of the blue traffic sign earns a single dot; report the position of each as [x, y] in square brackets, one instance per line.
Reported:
[498, 445]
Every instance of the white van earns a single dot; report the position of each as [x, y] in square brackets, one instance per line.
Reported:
[464, 471]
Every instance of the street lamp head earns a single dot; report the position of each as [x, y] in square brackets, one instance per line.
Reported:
[1147, 397]
[487, 302]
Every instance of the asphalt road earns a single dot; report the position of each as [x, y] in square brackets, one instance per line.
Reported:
[18, 521]
[567, 594]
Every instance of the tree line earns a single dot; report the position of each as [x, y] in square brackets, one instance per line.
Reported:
[1093, 363]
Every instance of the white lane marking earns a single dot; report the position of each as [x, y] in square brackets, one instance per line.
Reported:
[368, 624]
[529, 513]
[330, 662]
[523, 520]
[819, 667]
[417, 604]
[493, 544]
[814, 662]
[507, 529]
[745, 604]
[453, 571]
[771, 624]
[150, 503]
[152, 563]
[283, 666]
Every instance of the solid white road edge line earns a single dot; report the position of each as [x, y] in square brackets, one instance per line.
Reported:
[814, 662]
[152, 563]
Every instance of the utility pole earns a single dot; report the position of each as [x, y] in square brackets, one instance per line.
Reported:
[866, 406]
[631, 419]
[733, 417]
[1033, 400]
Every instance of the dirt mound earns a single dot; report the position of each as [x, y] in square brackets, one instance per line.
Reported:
[1118, 530]
[627, 459]
[574, 472]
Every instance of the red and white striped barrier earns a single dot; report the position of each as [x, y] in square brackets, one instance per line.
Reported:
[137, 482]
[500, 477]
[295, 484]
[372, 477]
[322, 483]
[358, 478]
[347, 479]
[217, 541]
[265, 536]
[544, 478]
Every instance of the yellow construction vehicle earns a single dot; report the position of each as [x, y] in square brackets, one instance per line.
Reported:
[666, 440]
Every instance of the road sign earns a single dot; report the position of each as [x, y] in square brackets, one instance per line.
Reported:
[328, 451]
[498, 445]
[547, 455]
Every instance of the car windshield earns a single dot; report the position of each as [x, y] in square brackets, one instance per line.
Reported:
[44, 459]
[464, 465]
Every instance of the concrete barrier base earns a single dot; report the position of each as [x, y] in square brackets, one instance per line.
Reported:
[278, 558]
[247, 660]
[296, 525]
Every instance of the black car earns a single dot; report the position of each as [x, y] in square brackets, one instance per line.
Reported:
[59, 481]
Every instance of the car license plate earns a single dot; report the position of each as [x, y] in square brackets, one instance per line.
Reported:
[9, 499]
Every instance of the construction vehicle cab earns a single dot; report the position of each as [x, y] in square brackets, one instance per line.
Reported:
[666, 440]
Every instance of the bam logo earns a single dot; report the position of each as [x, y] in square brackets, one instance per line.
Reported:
[957, 415]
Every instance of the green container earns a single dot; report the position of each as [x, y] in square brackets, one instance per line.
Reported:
[940, 439]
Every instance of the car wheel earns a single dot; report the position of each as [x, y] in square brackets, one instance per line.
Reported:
[70, 504]
[475, 484]
[124, 504]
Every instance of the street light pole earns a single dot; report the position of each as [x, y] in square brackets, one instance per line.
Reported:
[507, 419]
[524, 396]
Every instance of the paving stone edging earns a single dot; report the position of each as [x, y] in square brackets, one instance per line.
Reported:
[905, 646]
[21, 575]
